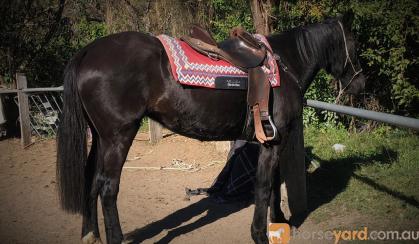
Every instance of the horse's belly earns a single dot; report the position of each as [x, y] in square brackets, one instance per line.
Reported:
[204, 114]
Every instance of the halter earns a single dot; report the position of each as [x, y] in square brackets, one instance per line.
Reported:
[348, 58]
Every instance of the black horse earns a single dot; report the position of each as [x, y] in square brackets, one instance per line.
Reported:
[115, 81]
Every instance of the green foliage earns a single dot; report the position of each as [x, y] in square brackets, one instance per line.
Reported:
[321, 89]
[34, 41]
[87, 31]
[229, 14]
[388, 34]
[50, 61]
[36, 38]
[26, 30]
[296, 13]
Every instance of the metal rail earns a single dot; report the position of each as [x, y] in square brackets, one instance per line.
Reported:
[44, 89]
[39, 109]
[8, 91]
[46, 105]
[29, 90]
[367, 114]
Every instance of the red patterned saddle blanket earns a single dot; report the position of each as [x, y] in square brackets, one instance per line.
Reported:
[192, 68]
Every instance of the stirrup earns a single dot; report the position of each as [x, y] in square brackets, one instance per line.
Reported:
[274, 129]
[259, 128]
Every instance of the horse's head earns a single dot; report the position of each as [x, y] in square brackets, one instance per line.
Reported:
[347, 69]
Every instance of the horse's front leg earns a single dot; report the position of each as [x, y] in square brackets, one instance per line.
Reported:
[267, 164]
[276, 214]
[290, 179]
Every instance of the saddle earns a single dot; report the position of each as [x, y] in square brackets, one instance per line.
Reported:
[248, 54]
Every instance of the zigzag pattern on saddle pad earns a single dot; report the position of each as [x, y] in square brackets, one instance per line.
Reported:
[191, 68]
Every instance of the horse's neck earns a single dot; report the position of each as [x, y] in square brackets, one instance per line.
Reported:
[306, 77]
[313, 54]
[304, 73]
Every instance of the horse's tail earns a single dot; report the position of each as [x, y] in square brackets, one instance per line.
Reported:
[72, 144]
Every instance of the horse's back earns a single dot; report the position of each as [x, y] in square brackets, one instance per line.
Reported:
[121, 52]
[125, 76]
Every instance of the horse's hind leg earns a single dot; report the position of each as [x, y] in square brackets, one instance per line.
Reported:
[266, 166]
[113, 150]
[90, 229]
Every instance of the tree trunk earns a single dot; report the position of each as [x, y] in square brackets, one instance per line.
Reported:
[262, 15]
[172, 17]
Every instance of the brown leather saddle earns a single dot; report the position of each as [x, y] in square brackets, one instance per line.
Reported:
[250, 55]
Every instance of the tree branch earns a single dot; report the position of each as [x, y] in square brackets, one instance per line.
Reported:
[48, 37]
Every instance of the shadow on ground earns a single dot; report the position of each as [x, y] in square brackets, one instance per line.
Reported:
[324, 184]
[333, 176]
[174, 221]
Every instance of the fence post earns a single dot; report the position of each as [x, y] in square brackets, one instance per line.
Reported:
[25, 126]
[155, 131]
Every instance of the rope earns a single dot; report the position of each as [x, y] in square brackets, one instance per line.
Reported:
[344, 66]
[177, 165]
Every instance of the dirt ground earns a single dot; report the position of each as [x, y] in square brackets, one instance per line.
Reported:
[151, 203]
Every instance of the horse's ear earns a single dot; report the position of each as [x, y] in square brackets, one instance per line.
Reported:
[348, 18]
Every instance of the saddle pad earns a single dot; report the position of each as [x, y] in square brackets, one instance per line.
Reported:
[192, 68]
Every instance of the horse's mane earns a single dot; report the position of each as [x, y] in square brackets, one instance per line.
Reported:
[320, 42]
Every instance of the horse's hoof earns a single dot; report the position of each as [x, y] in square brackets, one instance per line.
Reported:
[259, 237]
[90, 238]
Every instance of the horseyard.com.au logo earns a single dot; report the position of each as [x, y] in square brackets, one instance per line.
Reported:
[280, 233]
